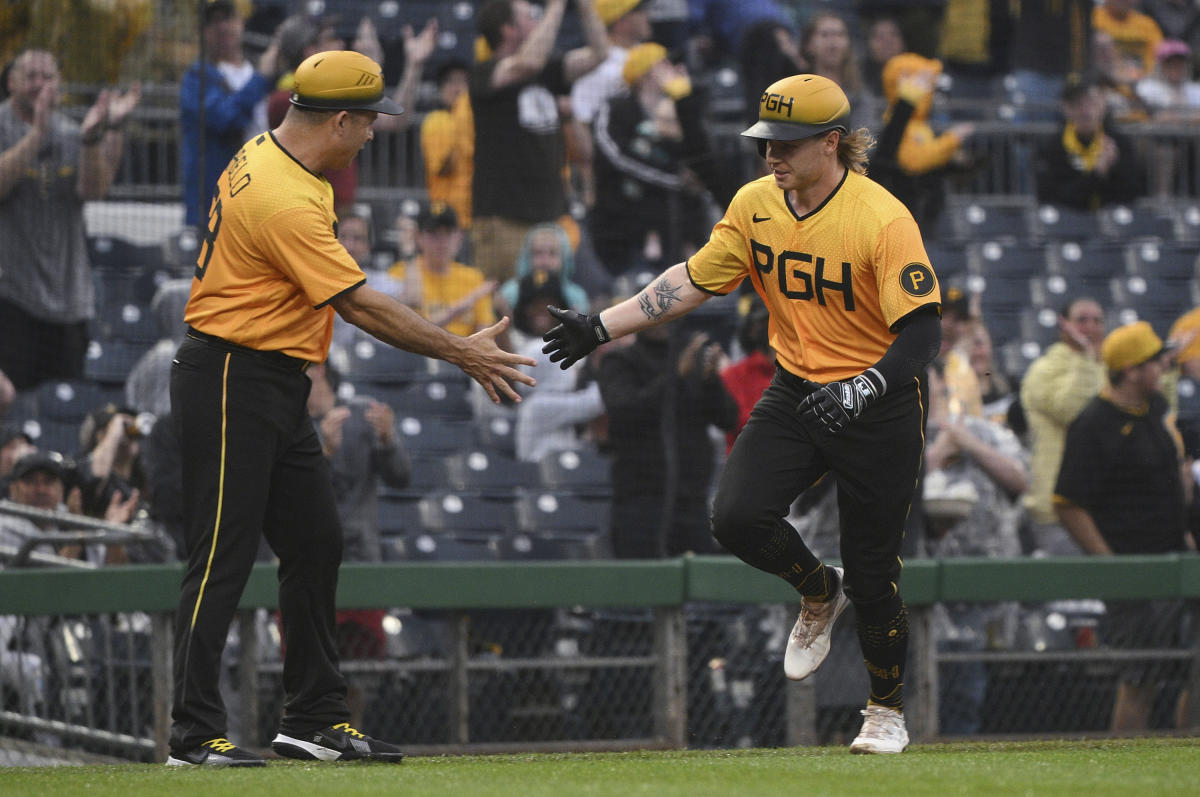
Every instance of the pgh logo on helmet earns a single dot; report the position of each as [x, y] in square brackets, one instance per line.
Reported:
[800, 106]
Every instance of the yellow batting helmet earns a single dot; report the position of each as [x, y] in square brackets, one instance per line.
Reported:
[341, 80]
[798, 107]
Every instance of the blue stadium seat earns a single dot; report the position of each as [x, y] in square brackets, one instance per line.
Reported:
[127, 321]
[949, 260]
[108, 252]
[424, 435]
[426, 547]
[549, 546]
[428, 473]
[1090, 260]
[1056, 290]
[545, 510]
[977, 221]
[51, 435]
[399, 514]
[490, 472]
[435, 398]
[1156, 300]
[497, 433]
[1127, 222]
[584, 471]
[110, 361]
[1165, 261]
[1009, 260]
[467, 512]
[374, 362]
[1067, 224]
[71, 401]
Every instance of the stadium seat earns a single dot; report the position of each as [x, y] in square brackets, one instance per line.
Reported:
[1126, 222]
[398, 513]
[425, 547]
[51, 435]
[1009, 260]
[428, 473]
[949, 260]
[444, 512]
[118, 254]
[71, 401]
[1156, 300]
[584, 471]
[1056, 223]
[496, 433]
[423, 435]
[435, 398]
[1165, 261]
[127, 321]
[544, 510]
[551, 546]
[1056, 290]
[489, 472]
[110, 361]
[979, 221]
[372, 361]
[1090, 260]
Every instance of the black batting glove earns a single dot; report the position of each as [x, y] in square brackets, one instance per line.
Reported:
[834, 406]
[576, 336]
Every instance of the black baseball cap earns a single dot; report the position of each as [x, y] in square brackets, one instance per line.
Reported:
[437, 215]
[47, 461]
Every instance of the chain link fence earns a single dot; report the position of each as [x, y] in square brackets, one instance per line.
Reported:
[93, 687]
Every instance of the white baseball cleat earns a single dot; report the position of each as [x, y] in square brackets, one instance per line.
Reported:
[809, 642]
[882, 731]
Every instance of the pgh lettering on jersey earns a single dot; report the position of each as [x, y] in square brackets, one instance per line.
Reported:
[271, 262]
[835, 280]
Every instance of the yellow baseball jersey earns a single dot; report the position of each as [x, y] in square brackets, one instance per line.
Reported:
[271, 262]
[835, 280]
[440, 292]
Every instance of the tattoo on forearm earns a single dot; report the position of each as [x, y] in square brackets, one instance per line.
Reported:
[664, 295]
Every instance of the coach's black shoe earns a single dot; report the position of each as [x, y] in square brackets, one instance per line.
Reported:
[219, 752]
[337, 743]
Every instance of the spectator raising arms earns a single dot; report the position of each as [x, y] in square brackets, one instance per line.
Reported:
[49, 166]
[519, 151]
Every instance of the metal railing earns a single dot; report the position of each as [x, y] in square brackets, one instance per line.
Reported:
[578, 655]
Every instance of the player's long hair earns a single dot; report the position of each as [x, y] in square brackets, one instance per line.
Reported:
[853, 148]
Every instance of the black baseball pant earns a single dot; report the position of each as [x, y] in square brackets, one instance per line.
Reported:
[252, 466]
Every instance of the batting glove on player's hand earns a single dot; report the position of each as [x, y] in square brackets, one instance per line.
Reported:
[832, 407]
[576, 336]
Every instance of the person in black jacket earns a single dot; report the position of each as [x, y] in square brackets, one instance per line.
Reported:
[1084, 164]
[661, 393]
[653, 159]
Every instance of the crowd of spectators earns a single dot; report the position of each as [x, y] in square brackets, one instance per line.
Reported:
[553, 172]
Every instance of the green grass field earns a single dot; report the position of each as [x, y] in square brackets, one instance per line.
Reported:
[1139, 767]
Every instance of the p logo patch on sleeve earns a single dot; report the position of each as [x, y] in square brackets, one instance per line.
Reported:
[917, 279]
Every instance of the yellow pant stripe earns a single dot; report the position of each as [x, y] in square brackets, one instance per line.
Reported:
[220, 494]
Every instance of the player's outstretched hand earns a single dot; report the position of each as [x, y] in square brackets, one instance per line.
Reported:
[834, 406]
[576, 336]
[493, 367]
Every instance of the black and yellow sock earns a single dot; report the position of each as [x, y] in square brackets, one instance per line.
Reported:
[883, 635]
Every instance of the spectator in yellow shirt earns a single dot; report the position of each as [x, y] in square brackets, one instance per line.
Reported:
[448, 293]
[448, 143]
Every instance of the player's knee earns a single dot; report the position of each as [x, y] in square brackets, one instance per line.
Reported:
[729, 519]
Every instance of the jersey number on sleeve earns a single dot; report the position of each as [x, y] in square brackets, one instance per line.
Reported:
[210, 238]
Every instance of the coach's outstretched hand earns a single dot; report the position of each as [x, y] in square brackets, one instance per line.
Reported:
[834, 406]
[576, 336]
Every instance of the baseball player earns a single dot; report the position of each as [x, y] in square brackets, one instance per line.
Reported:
[854, 306]
[268, 280]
